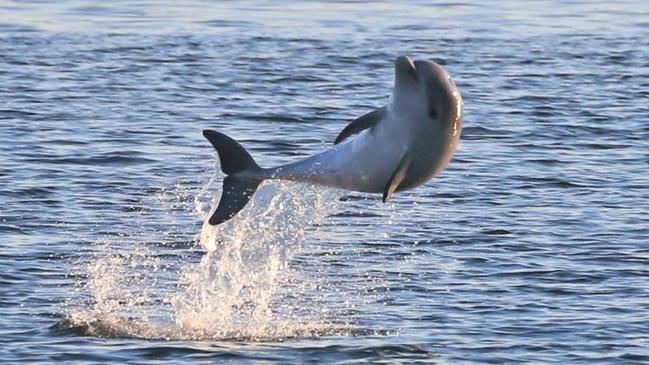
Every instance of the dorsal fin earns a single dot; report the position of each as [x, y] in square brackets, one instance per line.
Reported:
[361, 123]
[397, 176]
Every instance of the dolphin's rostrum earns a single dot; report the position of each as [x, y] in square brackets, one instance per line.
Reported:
[393, 148]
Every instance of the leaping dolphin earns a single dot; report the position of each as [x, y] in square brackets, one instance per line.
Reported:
[393, 148]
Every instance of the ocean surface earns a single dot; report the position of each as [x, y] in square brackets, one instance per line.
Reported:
[531, 247]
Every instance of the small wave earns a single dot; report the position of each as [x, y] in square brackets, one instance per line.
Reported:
[116, 327]
[12, 229]
[36, 192]
[350, 197]
[93, 161]
[497, 232]
[356, 215]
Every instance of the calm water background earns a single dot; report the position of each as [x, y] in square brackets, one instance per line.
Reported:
[533, 245]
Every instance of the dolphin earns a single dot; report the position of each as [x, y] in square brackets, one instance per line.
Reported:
[393, 148]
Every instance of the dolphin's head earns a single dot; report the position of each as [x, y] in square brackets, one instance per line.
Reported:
[424, 92]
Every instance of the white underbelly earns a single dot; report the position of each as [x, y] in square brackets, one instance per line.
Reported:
[363, 163]
[369, 164]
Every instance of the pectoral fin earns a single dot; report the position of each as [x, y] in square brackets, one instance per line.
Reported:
[361, 123]
[397, 176]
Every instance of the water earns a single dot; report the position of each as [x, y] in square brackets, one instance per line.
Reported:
[531, 247]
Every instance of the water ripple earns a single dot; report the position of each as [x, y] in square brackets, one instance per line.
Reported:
[530, 247]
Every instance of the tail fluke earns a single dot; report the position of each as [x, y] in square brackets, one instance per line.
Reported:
[236, 194]
[241, 183]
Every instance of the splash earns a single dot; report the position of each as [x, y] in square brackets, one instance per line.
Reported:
[240, 287]
[247, 285]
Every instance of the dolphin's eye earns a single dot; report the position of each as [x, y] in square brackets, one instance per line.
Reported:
[432, 112]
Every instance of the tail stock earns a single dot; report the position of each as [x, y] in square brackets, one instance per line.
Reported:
[240, 184]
